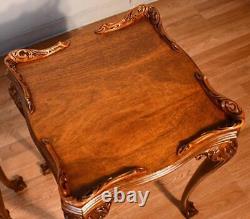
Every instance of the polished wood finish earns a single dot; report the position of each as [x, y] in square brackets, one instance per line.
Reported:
[214, 159]
[28, 55]
[116, 119]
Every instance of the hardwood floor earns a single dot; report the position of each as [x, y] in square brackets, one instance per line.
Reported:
[216, 34]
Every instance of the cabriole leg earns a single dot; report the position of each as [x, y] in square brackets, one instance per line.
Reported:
[17, 184]
[4, 213]
[214, 158]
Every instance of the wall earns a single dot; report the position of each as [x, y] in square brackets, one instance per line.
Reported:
[23, 22]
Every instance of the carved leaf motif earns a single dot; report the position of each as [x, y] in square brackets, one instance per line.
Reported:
[27, 55]
[220, 153]
[230, 107]
[142, 11]
[101, 211]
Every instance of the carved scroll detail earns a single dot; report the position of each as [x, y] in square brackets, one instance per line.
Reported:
[86, 204]
[214, 137]
[132, 16]
[27, 55]
[136, 14]
[229, 107]
[215, 157]
[221, 152]
[100, 212]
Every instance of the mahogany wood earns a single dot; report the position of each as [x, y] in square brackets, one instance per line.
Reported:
[122, 105]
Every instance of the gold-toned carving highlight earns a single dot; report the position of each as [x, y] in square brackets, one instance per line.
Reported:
[215, 157]
[221, 152]
[27, 55]
[132, 16]
[136, 14]
[223, 134]
[230, 107]
[100, 211]
[215, 137]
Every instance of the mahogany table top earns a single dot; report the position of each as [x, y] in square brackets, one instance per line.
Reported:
[117, 100]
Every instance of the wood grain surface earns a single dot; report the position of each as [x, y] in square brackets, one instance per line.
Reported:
[216, 35]
[115, 101]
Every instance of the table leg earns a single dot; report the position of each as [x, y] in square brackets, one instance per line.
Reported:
[45, 168]
[215, 158]
[17, 184]
[14, 95]
[4, 213]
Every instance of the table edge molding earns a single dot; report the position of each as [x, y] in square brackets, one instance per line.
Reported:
[233, 112]
[142, 11]
[28, 55]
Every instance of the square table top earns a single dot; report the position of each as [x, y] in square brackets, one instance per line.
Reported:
[124, 96]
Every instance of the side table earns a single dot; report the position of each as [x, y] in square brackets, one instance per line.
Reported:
[120, 104]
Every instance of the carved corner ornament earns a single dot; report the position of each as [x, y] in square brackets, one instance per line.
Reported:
[91, 205]
[28, 55]
[220, 135]
[217, 146]
[136, 14]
